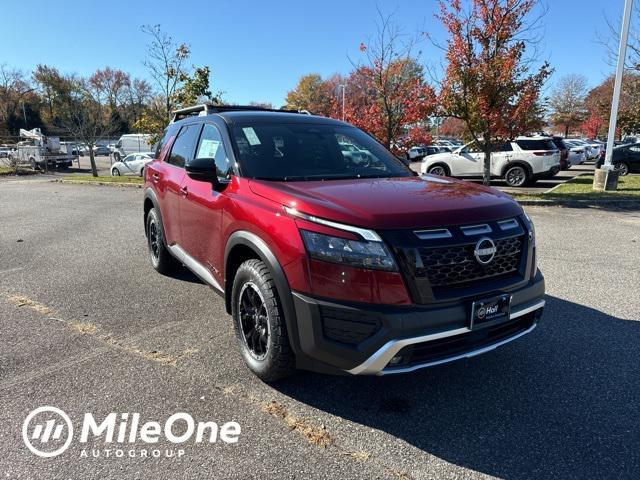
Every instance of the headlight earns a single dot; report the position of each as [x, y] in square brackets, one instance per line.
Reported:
[531, 228]
[532, 239]
[354, 253]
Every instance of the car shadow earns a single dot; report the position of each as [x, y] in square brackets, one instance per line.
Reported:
[561, 402]
[183, 274]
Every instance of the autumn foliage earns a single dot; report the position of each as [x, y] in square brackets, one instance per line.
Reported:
[392, 103]
[385, 94]
[487, 83]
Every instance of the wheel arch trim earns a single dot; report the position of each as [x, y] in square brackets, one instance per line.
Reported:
[262, 250]
[149, 194]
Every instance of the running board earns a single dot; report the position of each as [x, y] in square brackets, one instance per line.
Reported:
[196, 267]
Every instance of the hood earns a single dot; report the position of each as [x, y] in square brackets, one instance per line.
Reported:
[392, 203]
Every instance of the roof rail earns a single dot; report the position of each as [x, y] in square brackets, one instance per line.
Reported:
[209, 108]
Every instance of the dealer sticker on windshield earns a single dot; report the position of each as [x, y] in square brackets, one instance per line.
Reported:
[252, 138]
[490, 310]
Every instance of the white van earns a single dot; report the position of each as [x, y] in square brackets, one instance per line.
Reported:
[132, 143]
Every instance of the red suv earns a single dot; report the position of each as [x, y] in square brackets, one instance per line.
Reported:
[330, 254]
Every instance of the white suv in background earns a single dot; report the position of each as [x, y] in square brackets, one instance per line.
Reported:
[520, 162]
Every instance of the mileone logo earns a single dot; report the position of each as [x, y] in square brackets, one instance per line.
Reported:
[48, 432]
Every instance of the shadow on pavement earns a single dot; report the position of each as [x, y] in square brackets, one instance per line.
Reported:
[184, 274]
[561, 402]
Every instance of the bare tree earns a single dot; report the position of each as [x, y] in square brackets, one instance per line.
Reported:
[165, 62]
[610, 38]
[567, 102]
[13, 87]
[88, 119]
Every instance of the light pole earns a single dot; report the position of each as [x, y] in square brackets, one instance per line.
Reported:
[343, 86]
[601, 181]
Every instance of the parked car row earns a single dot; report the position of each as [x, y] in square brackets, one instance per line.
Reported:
[625, 159]
[519, 162]
[419, 152]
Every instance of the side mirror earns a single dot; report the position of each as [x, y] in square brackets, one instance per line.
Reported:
[203, 170]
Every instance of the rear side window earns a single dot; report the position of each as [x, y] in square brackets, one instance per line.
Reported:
[184, 145]
[542, 144]
[502, 147]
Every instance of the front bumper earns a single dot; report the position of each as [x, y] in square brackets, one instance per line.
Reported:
[363, 339]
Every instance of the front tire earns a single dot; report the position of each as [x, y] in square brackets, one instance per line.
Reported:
[115, 172]
[259, 323]
[160, 257]
[516, 176]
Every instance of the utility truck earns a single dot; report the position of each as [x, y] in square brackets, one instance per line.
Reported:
[40, 151]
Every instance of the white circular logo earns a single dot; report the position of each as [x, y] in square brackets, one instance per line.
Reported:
[48, 430]
[485, 250]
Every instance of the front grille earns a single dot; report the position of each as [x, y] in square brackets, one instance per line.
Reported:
[348, 327]
[454, 265]
[439, 264]
[441, 349]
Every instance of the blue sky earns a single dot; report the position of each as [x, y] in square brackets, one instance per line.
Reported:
[258, 49]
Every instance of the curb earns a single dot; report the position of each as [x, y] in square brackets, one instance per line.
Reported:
[633, 204]
[109, 184]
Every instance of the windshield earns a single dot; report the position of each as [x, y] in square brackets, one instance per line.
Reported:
[297, 152]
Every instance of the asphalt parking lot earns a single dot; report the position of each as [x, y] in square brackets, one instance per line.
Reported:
[88, 326]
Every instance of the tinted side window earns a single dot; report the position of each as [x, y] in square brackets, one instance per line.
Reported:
[211, 146]
[502, 147]
[183, 146]
[536, 144]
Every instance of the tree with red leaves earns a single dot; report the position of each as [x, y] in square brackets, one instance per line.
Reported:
[488, 84]
[386, 94]
[598, 104]
[452, 127]
[592, 125]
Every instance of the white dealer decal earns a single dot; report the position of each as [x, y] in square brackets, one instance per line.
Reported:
[48, 432]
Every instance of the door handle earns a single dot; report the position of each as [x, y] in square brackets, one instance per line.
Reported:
[156, 177]
[184, 191]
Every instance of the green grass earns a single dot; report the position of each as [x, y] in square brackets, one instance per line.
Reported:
[92, 179]
[581, 188]
[6, 171]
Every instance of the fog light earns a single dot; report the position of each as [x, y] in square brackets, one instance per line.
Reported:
[396, 360]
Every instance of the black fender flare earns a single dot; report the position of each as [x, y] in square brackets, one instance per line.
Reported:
[260, 247]
[150, 195]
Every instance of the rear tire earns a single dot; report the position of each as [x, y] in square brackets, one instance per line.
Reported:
[259, 323]
[516, 176]
[160, 257]
[622, 168]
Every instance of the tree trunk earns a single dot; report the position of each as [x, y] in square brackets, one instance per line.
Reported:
[486, 174]
[94, 169]
[566, 131]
